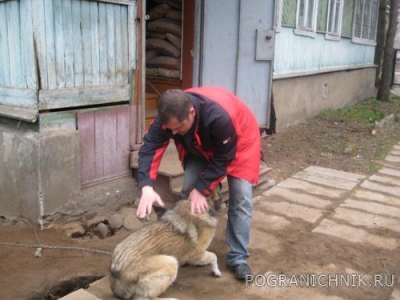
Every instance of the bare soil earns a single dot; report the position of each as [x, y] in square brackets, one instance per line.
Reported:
[333, 143]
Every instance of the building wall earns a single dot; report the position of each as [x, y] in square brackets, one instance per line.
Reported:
[296, 54]
[299, 98]
[40, 176]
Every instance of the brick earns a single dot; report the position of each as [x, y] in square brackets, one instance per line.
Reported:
[297, 197]
[101, 288]
[355, 235]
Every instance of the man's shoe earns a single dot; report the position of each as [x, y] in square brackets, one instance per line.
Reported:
[241, 271]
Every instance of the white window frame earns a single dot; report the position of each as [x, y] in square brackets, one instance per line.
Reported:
[360, 40]
[301, 29]
[332, 35]
[278, 15]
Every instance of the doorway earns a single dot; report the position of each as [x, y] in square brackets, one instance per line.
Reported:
[169, 43]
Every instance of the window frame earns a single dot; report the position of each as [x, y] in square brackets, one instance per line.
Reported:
[360, 40]
[278, 15]
[307, 31]
[330, 35]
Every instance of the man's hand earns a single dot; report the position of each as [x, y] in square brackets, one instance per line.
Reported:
[198, 203]
[149, 196]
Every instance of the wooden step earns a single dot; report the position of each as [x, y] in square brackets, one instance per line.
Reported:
[151, 101]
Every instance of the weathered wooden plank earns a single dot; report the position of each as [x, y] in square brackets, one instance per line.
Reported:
[110, 142]
[18, 97]
[50, 44]
[99, 144]
[27, 55]
[52, 99]
[124, 2]
[39, 30]
[103, 44]
[86, 41]
[118, 44]
[56, 120]
[110, 44]
[14, 39]
[59, 43]
[13, 35]
[94, 24]
[68, 43]
[86, 128]
[123, 125]
[19, 113]
[132, 33]
[4, 52]
[125, 45]
[77, 43]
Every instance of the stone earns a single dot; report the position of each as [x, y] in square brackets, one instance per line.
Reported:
[115, 222]
[90, 215]
[103, 230]
[348, 149]
[126, 211]
[131, 222]
[74, 229]
[95, 221]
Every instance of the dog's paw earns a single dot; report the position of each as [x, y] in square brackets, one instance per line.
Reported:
[216, 273]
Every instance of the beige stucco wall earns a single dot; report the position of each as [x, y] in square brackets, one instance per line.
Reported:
[299, 98]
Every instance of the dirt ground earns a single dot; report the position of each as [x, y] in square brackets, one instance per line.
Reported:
[323, 141]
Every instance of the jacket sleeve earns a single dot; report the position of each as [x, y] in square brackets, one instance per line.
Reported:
[156, 142]
[225, 140]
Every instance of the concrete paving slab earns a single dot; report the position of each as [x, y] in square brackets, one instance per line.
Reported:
[355, 235]
[368, 220]
[392, 158]
[326, 180]
[378, 197]
[101, 288]
[293, 210]
[80, 294]
[297, 197]
[373, 207]
[382, 188]
[268, 221]
[269, 243]
[397, 147]
[311, 188]
[395, 295]
[390, 172]
[385, 180]
[335, 173]
[395, 152]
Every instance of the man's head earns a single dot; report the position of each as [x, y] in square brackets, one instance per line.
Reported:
[176, 111]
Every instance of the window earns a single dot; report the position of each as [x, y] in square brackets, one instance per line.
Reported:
[334, 20]
[365, 21]
[306, 21]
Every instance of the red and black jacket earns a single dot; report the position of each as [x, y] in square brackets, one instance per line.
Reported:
[225, 133]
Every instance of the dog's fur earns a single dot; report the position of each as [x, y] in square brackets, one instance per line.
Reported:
[146, 263]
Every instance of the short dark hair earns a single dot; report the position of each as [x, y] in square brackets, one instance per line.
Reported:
[174, 103]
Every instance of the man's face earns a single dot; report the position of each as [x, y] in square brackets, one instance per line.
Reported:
[183, 127]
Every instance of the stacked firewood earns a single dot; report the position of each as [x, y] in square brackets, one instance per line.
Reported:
[163, 39]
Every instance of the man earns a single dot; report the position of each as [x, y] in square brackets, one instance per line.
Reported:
[216, 135]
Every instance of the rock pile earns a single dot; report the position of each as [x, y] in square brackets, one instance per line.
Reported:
[163, 39]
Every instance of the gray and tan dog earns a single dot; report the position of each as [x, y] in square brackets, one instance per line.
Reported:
[146, 263]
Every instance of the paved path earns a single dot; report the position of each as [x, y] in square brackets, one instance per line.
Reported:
[320, 234]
